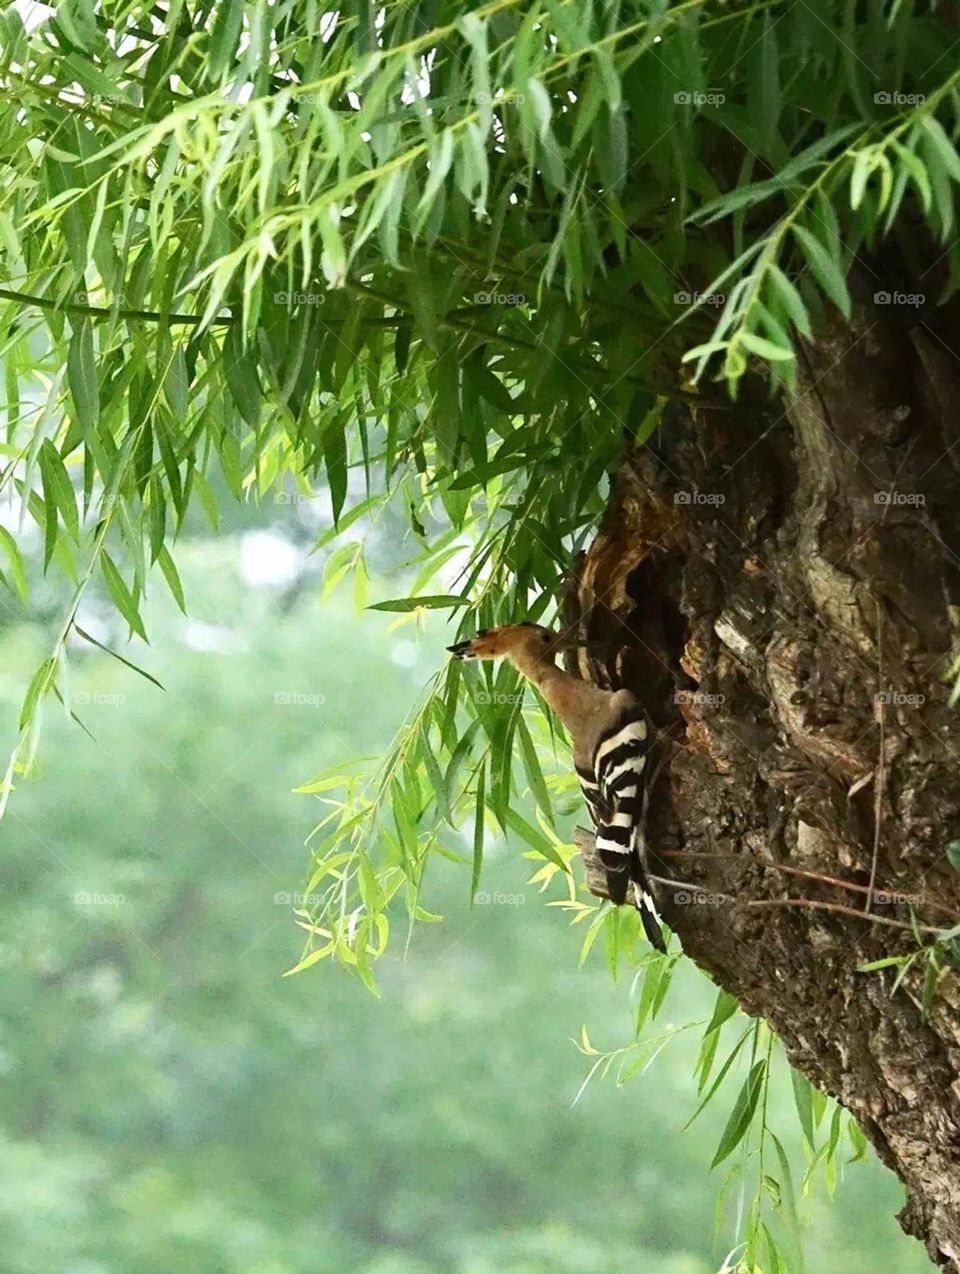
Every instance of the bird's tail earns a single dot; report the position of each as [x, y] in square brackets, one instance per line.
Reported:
[643, 895]
[644, 902]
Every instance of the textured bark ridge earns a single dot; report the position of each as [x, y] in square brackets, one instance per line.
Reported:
[782, 588]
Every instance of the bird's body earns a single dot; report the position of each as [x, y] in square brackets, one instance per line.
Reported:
[610, 745]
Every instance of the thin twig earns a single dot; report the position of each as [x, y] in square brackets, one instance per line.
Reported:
[810, 903]
[688, 884]
[805, 875]
[193, 320]
[97, 312]
[846, 911]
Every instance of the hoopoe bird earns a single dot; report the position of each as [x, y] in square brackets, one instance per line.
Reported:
[610, 746]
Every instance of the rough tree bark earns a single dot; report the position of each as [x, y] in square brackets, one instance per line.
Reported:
[782, 585]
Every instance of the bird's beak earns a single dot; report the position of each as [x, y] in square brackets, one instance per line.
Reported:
[461, 649]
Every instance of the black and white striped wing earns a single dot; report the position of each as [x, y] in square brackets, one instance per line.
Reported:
[618, 765]
[591, 794]
[618, 776]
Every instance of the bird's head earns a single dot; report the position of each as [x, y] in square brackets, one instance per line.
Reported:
[511, 639]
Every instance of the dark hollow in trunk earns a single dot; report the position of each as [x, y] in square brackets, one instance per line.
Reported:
[781, 585]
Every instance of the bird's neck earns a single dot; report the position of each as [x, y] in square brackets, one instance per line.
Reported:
[562, 691]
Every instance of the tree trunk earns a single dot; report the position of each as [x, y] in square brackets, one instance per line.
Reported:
[781, 585]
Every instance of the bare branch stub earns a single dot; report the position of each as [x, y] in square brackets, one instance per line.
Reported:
[595, 875]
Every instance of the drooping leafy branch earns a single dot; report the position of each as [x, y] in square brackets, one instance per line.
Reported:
[452, 246]
[444, 258]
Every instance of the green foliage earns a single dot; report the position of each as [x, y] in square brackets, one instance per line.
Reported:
[758, 1201]
[449, 246]
[931, 959]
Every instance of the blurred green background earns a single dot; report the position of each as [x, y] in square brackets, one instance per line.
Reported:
[171, 1103]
